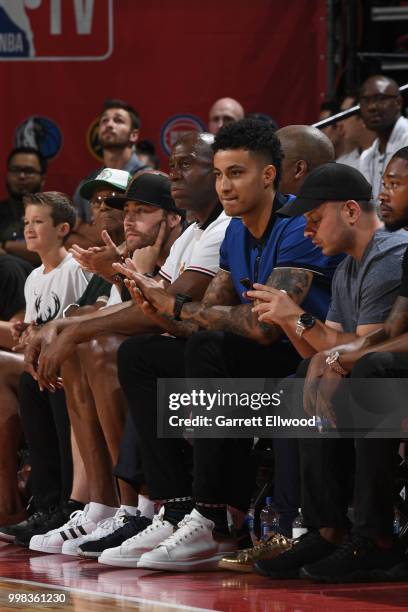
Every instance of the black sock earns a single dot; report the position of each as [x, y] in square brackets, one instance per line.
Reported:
[218, 515]
[72, 504]
[175, 511]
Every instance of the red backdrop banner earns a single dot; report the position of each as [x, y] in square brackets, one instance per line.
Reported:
[59, 59]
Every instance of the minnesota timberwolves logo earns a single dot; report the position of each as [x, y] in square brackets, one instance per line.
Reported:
[40, 133]
[56, 30]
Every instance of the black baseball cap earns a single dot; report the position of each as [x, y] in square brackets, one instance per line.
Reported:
[330, 181]
[148, 188]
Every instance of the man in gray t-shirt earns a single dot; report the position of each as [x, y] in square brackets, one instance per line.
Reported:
[363, 291]
[336, 201]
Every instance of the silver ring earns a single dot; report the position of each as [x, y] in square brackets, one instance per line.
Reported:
[283, 291]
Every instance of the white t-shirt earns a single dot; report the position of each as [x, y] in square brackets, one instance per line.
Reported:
[373, 163]
[197, 249]
[47, 295]
[114, 297]
[350, 159]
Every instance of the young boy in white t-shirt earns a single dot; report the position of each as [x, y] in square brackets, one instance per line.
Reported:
[49, 219]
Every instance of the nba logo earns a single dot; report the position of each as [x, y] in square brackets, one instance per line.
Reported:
[38, 30]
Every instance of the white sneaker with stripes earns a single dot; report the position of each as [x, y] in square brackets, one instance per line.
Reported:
[103, 528]
[78, 526]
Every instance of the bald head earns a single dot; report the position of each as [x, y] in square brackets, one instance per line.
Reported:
[304, 148]
[380, 103]
[381, 82]
[199, 143]
[223, 111]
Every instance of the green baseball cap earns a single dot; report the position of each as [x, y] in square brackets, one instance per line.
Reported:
[107, 178]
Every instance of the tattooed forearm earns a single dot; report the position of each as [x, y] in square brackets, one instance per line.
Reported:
[180, 329]
[240, 319]
[221, 291]
[234, 319]
[397, 322]
[296, 281]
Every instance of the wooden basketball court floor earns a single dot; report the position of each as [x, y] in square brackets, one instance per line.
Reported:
[36, 581]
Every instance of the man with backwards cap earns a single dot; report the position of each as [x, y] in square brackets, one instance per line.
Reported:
[336, 201]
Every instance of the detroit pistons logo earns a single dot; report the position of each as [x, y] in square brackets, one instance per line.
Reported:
[175, 127]
[75, 30]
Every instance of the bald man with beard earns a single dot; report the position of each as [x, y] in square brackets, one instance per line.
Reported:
[304, 148]
[380, 109]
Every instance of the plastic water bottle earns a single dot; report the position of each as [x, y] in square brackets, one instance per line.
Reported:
[269, 519]
[298, 527]
[250, 522]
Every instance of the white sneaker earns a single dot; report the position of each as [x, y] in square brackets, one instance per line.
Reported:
[192, 547]
[77, 526]
[102, 529]
[129, 553]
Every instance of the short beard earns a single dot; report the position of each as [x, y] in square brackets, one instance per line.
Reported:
[397, 225]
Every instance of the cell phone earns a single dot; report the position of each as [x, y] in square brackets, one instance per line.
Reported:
[247, 283]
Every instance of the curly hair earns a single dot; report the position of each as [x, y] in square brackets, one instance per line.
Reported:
[254, 136]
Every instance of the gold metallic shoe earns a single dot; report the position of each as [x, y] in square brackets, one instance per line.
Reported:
[243, 560]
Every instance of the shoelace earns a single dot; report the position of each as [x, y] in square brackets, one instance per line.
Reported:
[74, 519]
[112, 523]
[156, 524]
[183, 532]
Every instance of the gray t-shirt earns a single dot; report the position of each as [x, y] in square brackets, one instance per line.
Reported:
[364, 291]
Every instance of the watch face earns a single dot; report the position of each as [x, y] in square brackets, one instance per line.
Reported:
[307, 320]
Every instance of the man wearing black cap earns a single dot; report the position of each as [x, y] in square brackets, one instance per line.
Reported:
[335, 200]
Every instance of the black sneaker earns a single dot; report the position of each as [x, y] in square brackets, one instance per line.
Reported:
[43, 521]
[8, 532]
[131, 526]
[309, 548]
[358, 560]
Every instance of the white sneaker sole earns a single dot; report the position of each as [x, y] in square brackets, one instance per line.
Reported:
[206, 565]
[119, 562]
[47, 549]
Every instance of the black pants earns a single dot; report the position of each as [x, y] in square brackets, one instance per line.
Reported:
[48, 433]
[223, 468]
[326, 470]
[129, 465]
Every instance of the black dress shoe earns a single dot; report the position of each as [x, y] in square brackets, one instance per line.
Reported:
[358, 560]
[308, 548]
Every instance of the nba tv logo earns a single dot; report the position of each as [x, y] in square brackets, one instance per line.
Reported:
[39, 30]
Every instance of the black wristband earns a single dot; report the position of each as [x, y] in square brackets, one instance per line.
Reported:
[181, 299]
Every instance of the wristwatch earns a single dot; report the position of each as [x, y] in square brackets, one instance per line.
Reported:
[305, 321]
[332, 361]
[181, 299]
